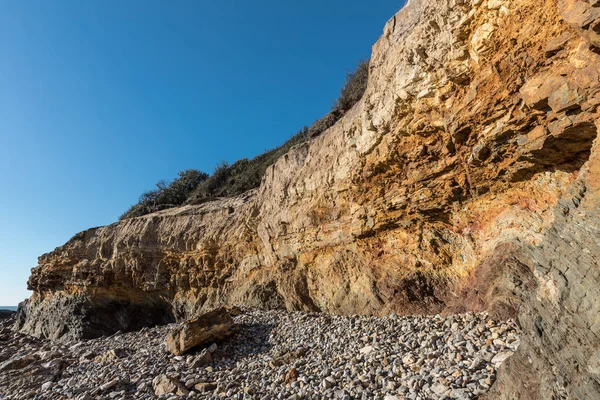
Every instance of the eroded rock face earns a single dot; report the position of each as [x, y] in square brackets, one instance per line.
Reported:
[80, 316]
[560, 352]
[465, 179]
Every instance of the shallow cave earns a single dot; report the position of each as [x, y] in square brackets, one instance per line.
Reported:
[565, 152]
[107, 317]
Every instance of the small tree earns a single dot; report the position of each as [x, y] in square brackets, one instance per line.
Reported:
[180, 189]
[166, 194]
[194, 187]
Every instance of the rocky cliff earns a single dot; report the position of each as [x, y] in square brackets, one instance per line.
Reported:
[467, 178]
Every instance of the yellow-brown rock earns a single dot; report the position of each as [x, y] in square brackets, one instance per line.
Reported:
[208, 328]
[467, 178]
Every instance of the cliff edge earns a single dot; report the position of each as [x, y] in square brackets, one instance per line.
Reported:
[467, 178]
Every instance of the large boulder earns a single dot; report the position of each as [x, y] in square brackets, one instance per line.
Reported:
[204, 330]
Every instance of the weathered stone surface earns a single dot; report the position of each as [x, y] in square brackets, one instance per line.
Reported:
[291, 375]
[203, 359]
[5, 314]
[208, 328]
[560, 351]
[17, 363]
[74, 316]
[583, 16]
[205, 387]
[465, 179]
[165, 384]
[387, 211]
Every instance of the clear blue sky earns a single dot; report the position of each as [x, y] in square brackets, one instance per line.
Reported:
[101, 99]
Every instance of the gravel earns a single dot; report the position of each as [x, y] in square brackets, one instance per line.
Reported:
[274, 355]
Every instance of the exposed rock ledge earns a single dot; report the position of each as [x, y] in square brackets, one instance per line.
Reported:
[467, 178]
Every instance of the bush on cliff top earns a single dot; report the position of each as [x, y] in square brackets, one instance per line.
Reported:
[242, 175]
[167, 195]
[194, 187]
[354, 88]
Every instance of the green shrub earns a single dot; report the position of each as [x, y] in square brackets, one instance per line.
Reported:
[242, 175]
[353, 90]
[167, 195]
[195, 187]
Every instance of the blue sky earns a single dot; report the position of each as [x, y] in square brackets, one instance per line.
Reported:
[101, 99]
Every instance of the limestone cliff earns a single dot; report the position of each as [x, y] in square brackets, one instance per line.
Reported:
[467, 178]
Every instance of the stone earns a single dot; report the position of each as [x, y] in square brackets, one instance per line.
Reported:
[536, 91]
[340, 394]
[460, 394]
[328, 382]
[203, 359]
[165, 384]
[56, 363]
[291, 375]
[439, 389]
[17, 363]
[110, 384]
[110, 355]
[495, 4]
[556, 44]
[564, 99]
[207, 328]
[408, 359]
[205, 387]
[212, 348]
[501, 357]
[88, 355]
[7, 314]
[480, 40]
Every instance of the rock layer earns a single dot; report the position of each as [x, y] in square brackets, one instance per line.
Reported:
[465, 179]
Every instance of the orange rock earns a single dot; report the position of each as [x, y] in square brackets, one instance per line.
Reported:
[291, 375]
[204, 330]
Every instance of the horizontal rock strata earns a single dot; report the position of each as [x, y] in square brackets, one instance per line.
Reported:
[465, 179]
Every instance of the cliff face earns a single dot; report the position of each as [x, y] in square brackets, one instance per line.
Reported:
[467, 178]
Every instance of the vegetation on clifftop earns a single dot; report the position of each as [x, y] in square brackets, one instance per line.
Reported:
[167, 195]
[194, 187]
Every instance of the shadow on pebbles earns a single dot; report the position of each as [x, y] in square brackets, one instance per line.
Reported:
[273, 355]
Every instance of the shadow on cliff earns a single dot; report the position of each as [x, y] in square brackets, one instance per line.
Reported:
[64, 317]
[125, 316]
[565, 152]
